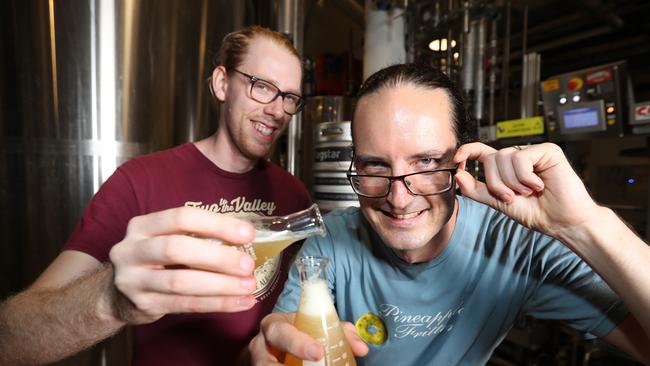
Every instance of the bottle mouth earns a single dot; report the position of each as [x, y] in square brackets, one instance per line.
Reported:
[310, 220]
[313, 260]
[312, 266]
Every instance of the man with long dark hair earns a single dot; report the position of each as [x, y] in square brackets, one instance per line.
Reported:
[430, 277]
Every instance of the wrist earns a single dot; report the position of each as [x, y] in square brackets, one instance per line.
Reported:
[113, 305]
[582, 236]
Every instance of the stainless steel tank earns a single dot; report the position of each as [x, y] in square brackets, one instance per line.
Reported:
[84, 86]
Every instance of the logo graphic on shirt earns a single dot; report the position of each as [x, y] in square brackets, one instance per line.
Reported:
[371, 328]
[266, 275]
[406, 325]
[239, 204]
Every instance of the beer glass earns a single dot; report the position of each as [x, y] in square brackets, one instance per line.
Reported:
[317, 316]
[274, 233]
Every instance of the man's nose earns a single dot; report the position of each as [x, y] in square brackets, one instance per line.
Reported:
[399, 196]
[275, 108]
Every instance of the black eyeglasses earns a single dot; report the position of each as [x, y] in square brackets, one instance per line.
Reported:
[426, 183]
[265, 92]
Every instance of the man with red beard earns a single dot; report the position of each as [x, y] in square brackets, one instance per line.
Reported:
[430, 277]
[131, 261]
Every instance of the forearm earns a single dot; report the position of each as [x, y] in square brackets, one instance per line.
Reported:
[44, 325]
[619, 256]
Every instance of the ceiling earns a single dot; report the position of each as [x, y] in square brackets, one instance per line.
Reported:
[568, 34]
[576, 34]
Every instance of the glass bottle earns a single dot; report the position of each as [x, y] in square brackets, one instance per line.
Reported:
[274, 233]
[317, 316]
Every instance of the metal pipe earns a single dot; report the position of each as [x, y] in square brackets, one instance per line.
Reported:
[524, 38]
[493, 69]
[523, 111]
[469, 56]
[480, 70]
[291, 22]
[451, 72]
[466, 17]
[450, 52]
[505, 69]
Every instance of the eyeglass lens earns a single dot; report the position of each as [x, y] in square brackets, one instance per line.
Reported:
[265, 92]
[419, 183]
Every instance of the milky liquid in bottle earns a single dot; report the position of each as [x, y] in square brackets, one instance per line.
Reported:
[317, 316]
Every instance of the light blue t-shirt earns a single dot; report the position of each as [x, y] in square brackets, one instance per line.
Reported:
[455, 309]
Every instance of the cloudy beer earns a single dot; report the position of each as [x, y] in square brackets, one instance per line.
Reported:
[317, 316]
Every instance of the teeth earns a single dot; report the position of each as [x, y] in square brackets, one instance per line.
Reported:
[407, 216]
[267, 131]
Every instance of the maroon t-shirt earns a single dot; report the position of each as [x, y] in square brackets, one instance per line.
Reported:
[183, 176]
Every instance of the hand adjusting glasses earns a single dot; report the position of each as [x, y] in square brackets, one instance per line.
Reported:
[265, 92]
[426, 183]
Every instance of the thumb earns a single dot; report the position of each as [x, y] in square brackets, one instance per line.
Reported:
[474, 189]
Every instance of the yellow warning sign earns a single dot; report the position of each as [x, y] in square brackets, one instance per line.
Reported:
[520, 127]
[550, 85]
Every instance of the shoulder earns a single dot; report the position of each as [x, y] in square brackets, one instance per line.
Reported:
[278, 172]
[283, 180]
[176, 153]
[501, 234]
[161, 162]
[343, 217]
[342, 227]
[344, 233]
[476, 215]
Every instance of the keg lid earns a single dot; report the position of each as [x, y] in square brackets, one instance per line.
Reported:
[333, 131]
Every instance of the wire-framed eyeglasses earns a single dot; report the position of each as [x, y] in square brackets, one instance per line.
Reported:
[266, 92]
[425, 183]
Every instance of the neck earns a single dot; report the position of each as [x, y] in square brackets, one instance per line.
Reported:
[224, 154]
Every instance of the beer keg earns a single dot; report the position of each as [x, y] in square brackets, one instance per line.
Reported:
[332, 158]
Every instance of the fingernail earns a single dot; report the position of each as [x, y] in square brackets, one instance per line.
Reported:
[247, 284]
[246, 263]
[313, 352]
[246, 301]
[244, 230]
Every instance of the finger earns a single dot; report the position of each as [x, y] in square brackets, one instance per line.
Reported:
[475, 190]
[486, 155]
[261, 354]
[507, 172]
[358, 346]
[156, 303]
[195, 283]
[472, 151]
[183, 220]
[493, 180]
[192, 252]
[280, 333]
[524, 165]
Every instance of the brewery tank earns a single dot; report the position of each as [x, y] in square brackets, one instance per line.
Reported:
[84, 86]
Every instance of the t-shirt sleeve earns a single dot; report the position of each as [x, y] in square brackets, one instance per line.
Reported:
[570, 291]
[106, 217]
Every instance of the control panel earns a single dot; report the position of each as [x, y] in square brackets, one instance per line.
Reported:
[587, 103]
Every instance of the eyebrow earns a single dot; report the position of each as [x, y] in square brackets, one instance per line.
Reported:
[445, 155]
[275, 84]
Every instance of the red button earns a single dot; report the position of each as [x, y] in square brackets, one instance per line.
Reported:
[575, 83]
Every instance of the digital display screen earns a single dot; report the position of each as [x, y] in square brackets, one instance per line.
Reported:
[581, 117]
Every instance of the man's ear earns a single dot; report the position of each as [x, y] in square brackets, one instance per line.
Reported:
[219, 83]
